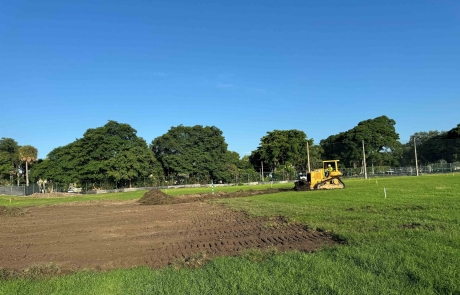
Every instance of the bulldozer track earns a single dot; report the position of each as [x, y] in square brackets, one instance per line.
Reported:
[322, 184]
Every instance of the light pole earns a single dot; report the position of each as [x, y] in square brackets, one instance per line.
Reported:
[364, 162]
[416, 162]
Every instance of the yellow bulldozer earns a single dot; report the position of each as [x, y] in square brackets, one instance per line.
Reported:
[327, 177]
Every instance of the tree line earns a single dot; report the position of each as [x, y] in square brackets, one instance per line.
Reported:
[199, 154]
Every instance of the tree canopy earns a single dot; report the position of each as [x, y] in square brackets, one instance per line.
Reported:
[113, 151]
[195, 152]
[452, 138]
[284, 147]
[380, 140]
[433, 146]
[9, 158]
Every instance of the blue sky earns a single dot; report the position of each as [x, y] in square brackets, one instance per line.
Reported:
[246, 67]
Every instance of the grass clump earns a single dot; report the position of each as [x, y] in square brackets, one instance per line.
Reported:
[34, 272]
[12, 211]
[259, 255]
[195, 260]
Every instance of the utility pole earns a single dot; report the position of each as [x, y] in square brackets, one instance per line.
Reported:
[308, 157]
[416, 162]
[364, 162]
[262, 171]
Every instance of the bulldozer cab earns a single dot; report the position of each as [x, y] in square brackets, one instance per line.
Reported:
[334, 164]
[330, 167]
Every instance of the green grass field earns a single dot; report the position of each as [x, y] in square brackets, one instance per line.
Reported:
[406, 243]
[20, 201]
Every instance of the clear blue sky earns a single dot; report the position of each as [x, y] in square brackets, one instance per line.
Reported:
[246, 67]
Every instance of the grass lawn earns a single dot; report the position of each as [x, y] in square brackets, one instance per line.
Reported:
[19, 201]
[406, 243]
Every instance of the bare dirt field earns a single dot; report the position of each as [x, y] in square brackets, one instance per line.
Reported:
[105, 235]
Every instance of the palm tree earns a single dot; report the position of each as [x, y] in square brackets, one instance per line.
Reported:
[27, 154]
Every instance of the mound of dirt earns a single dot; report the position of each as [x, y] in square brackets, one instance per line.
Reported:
[157, 197]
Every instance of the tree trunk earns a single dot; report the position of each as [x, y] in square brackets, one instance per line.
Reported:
[17, 174]
[27, 174]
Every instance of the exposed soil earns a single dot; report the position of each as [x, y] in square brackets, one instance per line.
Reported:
[114, 234]
[52, 195]
[157, 197]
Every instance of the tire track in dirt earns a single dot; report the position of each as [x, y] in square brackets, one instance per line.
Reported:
[233, 235]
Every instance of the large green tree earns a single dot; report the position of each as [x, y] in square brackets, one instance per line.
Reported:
[452, 138]
[132, 163]
[427, 144]
[113, 151]
[284, 147]
[246, 171]
[197, 152]
[5, 167]
[9, 158]
[433, 146]
[380, 140]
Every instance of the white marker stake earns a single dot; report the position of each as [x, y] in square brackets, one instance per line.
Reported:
[385, 192]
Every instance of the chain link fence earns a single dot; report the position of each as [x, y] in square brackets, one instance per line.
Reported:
[383, 171]
[240, 179]
[23, 190]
